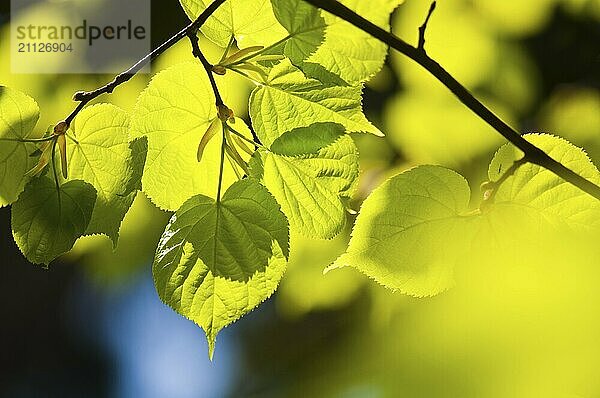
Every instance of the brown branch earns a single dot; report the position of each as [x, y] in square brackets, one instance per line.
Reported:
[534, 154]
[197, 52]
[85, 97]
[423, 28]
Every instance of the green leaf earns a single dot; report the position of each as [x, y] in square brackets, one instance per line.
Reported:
[305, 26]
[540, 190]
[251, 22]
[217, 261]
[309, 170]
[19, 114]
[100, 154]
[46, 222]
[350, 53]
[401, 236]
[289, 100]
[174, 112]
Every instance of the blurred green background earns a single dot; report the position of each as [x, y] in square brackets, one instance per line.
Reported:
[521, 322]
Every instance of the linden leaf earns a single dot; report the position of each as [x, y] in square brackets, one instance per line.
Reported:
[19, 114]
[174, 112]
[400, 238]
[217, 261]
[46, 222]
[305, 26]
[289, 100]
[401, 235]
[309, 170]
[251, 22]
[100, 154]
[541, 191]
[348, 52]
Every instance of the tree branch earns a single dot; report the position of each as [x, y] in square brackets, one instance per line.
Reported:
[423, 28]
[197, 52]
[534, 154]
[84, 97]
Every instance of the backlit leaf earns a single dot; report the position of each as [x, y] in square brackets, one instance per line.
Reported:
[309, 182]
[401, 236]
[289, 100]
[174, 112]
[217, 261]
[100, 154]
[251, 21]
[47, 223]
[19, 114]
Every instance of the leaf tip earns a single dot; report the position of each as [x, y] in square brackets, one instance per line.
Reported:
[378, 133]
[212, 340]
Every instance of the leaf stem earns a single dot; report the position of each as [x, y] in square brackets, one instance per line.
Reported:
[56, 181]
[534, 154]
[222, 163]
[244, 74]
[234, 167]
[32, 140]
[249, 141]
[272, 46]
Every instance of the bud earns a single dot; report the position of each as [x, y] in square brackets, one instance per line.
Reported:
[61, 128]
[224, 113]
[219, 70]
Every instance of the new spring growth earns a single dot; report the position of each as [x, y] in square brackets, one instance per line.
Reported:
[224, 114]
[60, 131]
[58, 138]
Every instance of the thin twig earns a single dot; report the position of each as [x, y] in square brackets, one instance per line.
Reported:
[223, 112]
[534, 154]
[28, 140]
[222, 163]
[248, 140]
[56, 180]
[197, 52]
[423, 28]
[85, 97]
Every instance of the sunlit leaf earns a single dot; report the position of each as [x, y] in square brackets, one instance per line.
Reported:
[174, 112]
[305, 26]
[289, 100]
[46, 222]
[542, 192]
[217, 261]
[251, 22]
[348, 52]
[19, 114]
[401, 234]
[99, 153]
[309, 182]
